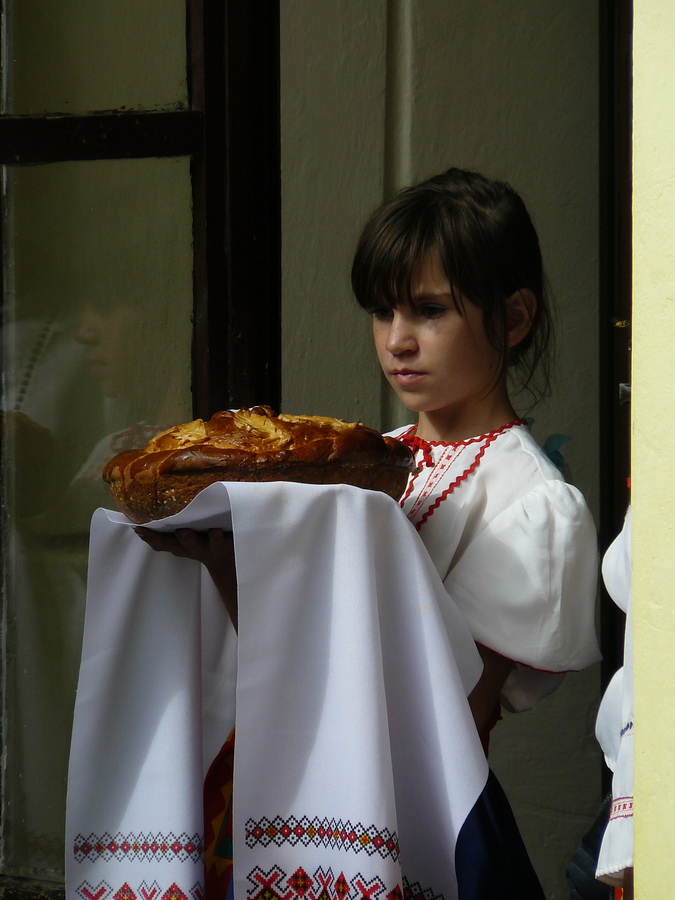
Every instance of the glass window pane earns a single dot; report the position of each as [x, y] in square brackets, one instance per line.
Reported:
[96, 358]
[77, 56]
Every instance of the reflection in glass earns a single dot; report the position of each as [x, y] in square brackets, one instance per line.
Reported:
[96, 358]
[69, 56]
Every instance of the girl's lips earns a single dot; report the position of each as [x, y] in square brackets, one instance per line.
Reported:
[407, 376]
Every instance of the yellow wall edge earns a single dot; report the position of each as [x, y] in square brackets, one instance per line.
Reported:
[653, 443]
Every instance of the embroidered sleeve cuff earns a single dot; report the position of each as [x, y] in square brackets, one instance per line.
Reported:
[616, 852]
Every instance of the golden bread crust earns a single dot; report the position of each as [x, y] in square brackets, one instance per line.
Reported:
[253, 445]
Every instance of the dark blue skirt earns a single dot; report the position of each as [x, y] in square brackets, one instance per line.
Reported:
[490, 857]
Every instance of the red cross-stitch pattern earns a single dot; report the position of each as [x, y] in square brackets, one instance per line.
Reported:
[125, 893]
[99, 892]
[323, 833]
[104, 891]
[174, 893]
[276, 884]
[138, 846]
[150, 892]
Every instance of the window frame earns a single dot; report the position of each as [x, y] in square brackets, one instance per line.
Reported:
[231, 133]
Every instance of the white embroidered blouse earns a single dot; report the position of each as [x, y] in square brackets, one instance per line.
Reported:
[516, 548]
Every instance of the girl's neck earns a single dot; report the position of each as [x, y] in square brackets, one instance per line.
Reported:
[448, 428]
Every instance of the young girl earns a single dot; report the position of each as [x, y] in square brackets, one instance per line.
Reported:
[450, 271]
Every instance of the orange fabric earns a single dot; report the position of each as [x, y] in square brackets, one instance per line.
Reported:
[218, 823]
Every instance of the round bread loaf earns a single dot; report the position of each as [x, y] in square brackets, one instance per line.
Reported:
[253, 445]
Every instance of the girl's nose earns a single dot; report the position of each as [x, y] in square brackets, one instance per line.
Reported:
[401, 334]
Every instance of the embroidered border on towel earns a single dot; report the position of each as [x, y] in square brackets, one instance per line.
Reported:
[323, 833]
[415, 891]
[145, 891]
[276, 884]
[622, 808]
[138, 846]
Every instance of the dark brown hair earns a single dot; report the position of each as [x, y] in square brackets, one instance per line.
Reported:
[488, 248]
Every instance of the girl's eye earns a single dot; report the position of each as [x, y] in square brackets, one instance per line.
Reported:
[381, 313]
[431, 310]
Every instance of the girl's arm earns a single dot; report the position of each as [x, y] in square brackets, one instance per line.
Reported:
[484, 698]
[214, 549]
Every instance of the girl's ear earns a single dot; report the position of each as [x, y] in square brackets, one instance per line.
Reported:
[521, 307]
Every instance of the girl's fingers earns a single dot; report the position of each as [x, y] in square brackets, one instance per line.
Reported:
[192, 541]
[220, 542]
[163, 542]
[190, 544]
[152, 538]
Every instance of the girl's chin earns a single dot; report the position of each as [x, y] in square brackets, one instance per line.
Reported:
[412, 401]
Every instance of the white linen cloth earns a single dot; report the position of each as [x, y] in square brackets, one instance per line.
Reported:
[516, 548]
[351, 671]
[614, 724]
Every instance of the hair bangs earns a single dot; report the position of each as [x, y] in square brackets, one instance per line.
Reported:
[388, 255]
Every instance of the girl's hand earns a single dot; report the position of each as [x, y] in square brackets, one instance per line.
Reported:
[484, 698]
[213, 548]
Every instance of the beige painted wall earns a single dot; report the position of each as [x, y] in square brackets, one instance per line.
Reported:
[333, 92]
[376, 94]
[653, 449]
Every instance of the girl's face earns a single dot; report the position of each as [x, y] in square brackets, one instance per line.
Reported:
[439, 360]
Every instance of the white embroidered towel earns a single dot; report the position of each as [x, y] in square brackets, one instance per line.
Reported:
[356, 757]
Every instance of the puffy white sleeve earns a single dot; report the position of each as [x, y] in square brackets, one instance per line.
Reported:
[526, 585]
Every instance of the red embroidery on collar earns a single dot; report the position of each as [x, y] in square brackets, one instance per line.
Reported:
[416, 443]
[410, 438]
[451, 451]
